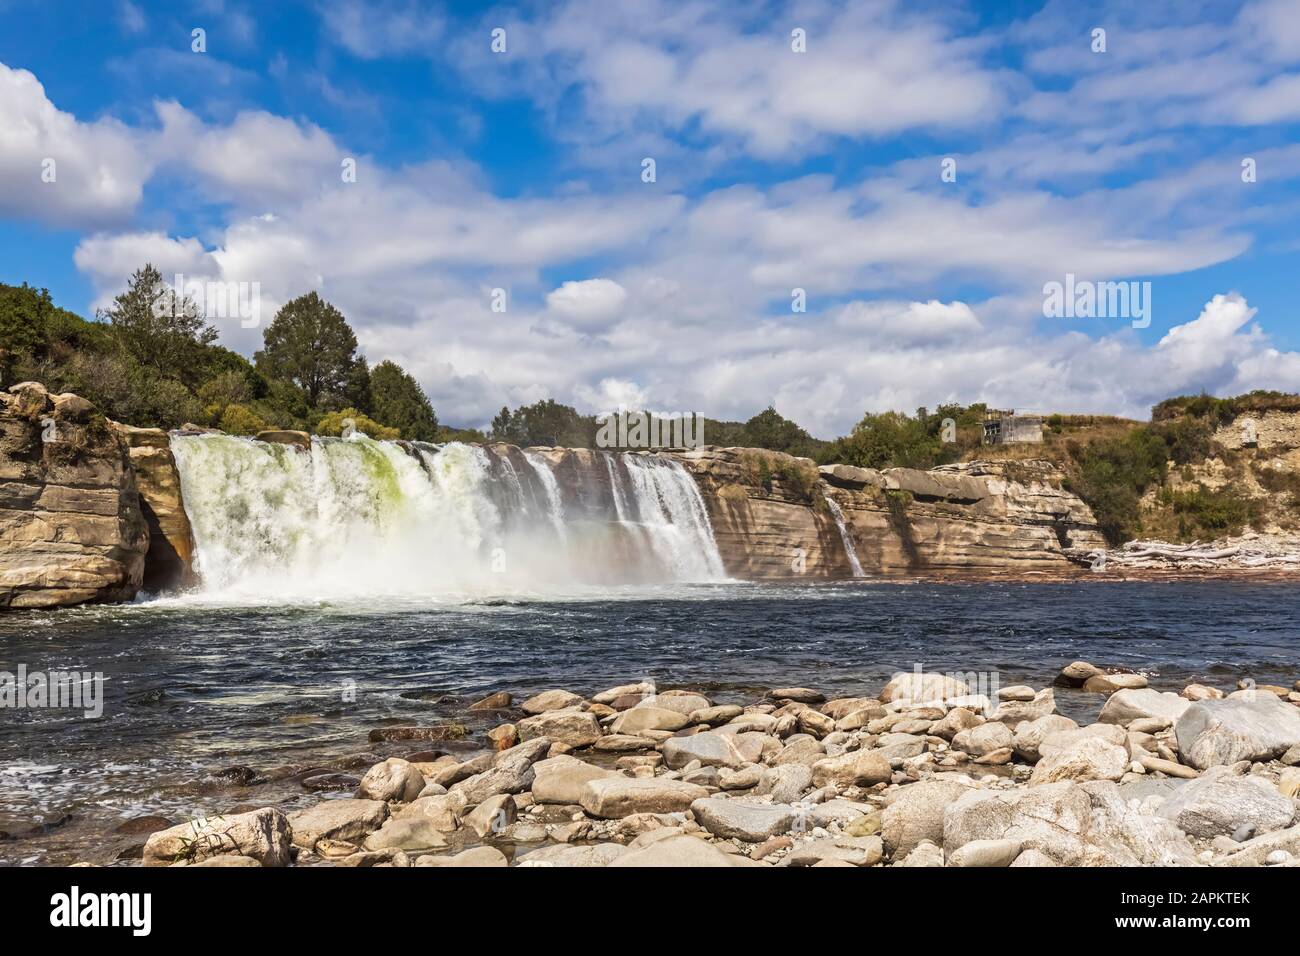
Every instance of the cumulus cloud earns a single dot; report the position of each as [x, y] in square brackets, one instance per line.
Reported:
[589, 304]
[98, 169]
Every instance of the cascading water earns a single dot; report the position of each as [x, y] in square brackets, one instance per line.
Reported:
[849, 550]
[356, 518]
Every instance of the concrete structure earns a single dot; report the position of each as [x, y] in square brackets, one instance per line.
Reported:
[1007, 428]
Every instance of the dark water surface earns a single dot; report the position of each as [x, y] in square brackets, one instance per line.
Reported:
[191, 689]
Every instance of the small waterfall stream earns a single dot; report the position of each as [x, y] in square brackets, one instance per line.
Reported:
[849, 550]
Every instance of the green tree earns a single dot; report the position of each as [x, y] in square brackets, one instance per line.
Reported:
[157, 327]
[23, 314]
[310, 344]
[397, 400]
[335, 423]
[545, 423]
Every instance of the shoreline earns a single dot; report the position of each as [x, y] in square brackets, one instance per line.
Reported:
[930, 771]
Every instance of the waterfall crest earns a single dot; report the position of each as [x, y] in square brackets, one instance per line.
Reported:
[356, 517]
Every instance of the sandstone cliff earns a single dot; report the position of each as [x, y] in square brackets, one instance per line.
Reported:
[772, 519]
[169, 563]
[71, 528]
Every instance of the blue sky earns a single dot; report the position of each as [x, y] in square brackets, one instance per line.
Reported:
[776, 170]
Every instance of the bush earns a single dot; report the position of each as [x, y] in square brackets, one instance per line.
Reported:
[240, 420]
[335, 422]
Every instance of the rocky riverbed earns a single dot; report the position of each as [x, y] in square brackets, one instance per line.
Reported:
[925, 773]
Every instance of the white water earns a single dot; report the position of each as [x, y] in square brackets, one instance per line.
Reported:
[849, 549]
[358, 518]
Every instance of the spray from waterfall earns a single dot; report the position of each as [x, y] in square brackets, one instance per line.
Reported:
[356, 518]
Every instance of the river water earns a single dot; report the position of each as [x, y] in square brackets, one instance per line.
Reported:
[195, 686]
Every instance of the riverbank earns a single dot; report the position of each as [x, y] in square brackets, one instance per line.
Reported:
[931, 771]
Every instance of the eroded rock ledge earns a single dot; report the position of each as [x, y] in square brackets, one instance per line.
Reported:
[771, 518]
[71, 527]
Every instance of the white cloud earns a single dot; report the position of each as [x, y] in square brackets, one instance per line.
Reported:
[589, 304]
[99, 168]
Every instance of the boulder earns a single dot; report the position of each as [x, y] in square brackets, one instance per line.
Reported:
[596, 854]
[492, 816]
[394, 779]
[614, 797]
[1071, 824]
[922, 688]
[511, 772]
[786, 783]
[984, 739]
[496, 701]
[677, 850]
[715, 749]
[337, 820]
[479, 856]
[1125, 706]
[1031, 733]
[915, 814]
[1220, 802]
[954, 722]
[408, 833]
[638, 720]
[562, 779]
[985, 853]
[1077, 674]
[855, 851]
[680, 703]
[263, 835]
[569, 726]
[802, 695]
[550, 700]
[862, 768]
[1214, 732]
[1090, 758]
[1013, 712]
[1109, 683]
[741, 818]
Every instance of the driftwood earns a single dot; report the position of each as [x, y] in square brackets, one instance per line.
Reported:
[1251, 551]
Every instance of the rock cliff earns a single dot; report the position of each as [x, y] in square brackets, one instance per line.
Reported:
[774, 516]
[169, 563]
[71, 527]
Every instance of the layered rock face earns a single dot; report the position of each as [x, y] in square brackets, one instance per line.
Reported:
[71, 528]
[980, 517]
[169, 563]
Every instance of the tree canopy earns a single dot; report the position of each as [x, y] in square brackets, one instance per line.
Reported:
[397, 400]
[310, 344]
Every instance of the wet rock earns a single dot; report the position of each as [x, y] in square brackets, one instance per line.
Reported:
[436, 732]
[394, 779]
[623, 743]
[715, 716]
[326, 782]
[347, 820]
[638, 690]
[573, 728]
[142, 826]
[503, 737]
[1212, 732]
[1196, 692]
[614, 797]
[263, 835]
[1077, 674]
[550, 700]
[499, 701]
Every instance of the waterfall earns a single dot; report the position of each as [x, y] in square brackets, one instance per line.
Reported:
[355, 518]
[849, 549]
